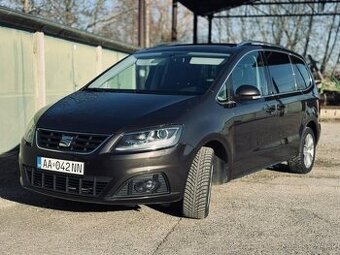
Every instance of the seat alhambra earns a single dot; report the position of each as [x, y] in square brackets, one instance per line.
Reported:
[165, 123]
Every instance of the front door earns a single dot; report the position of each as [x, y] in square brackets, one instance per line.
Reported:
[254, 132]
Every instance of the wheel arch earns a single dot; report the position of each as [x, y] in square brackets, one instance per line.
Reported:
[314, 127]
[222, 161]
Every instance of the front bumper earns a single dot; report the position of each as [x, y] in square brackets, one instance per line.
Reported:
[105, 174]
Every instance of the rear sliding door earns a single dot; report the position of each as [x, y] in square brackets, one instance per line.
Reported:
[290, 103]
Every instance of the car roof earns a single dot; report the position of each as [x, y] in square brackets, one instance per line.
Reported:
[216, 47]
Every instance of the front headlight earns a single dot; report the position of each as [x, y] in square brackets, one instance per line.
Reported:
[29, 133]
[152, 139]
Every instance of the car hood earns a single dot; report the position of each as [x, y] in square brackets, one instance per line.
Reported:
[110, 112]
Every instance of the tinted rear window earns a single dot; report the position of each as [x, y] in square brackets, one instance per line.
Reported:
[301, 73]
[280, 71]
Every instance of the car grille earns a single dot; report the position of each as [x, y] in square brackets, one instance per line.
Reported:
[89, 186]
[81, 143]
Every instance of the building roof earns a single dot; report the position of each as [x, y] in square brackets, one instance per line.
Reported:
[27, 22]
[205, 8]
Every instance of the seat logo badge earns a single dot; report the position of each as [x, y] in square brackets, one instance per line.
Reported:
[66, 141]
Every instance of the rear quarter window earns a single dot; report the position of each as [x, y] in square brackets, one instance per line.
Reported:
[280, 70]
[301, 73]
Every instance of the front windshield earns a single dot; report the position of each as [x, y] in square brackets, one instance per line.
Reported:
[163, 73]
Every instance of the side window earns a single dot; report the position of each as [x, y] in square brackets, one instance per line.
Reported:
[124, 80]
[302, 77]
[249, 71]
[280, 71]
[222, 94]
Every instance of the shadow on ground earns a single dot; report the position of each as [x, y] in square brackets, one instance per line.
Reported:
[10, 189]
[280, 168]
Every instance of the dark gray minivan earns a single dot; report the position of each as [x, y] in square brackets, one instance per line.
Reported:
[165, 123]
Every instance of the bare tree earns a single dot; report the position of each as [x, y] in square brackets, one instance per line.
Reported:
[95, 15]
[308, 35]
[117, 20]
[329, 48]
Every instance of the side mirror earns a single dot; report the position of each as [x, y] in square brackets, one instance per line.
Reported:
[247, 92]
[227, 103]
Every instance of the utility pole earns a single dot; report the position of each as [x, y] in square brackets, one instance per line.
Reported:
[26, 6]
[210, 17]
[195, 29]
[147, 23]
[68, 12]
[174, 21]
[141, 23]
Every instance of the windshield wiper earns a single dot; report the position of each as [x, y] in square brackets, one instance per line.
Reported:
[95, 89]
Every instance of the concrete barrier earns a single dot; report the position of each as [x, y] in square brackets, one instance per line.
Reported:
[330, 113]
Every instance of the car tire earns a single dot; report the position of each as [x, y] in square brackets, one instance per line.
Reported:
[197, 191]
[304, 161]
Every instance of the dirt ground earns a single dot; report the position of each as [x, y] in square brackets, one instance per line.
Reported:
[268, 212]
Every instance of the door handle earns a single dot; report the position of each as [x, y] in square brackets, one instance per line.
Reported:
[269, 108]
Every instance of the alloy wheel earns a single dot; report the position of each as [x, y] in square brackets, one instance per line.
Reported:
[308, 150]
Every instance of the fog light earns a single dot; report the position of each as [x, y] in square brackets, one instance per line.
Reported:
[144, 185]
[147, 186]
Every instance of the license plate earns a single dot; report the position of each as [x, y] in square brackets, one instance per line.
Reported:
[62, 166]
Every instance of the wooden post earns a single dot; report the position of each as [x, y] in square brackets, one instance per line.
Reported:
[39, 69]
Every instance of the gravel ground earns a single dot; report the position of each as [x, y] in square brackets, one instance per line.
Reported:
[265, 213]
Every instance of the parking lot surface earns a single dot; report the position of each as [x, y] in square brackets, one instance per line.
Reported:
[268, 212]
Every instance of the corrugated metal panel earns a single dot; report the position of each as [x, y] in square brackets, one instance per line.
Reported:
[59, 68]
[68, 66]
[110, 57]
[17, 98]
[85, 65]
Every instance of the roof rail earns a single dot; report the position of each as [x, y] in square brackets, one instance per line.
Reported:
[164, 44]
[190, 44]
[259, 43]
